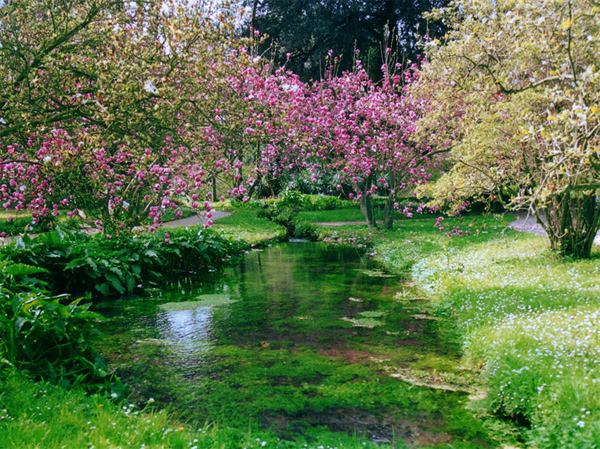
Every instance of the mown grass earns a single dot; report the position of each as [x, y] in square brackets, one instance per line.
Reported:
[346, 214]
[246, 225]
[527, 318]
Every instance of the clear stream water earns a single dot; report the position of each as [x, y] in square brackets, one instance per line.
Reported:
[298, 337]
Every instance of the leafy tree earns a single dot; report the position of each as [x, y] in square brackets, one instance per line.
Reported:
[107, 107]
[308, 29]
[515, 88]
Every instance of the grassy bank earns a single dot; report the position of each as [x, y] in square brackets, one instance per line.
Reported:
[527, 319]
[532, 321]
[37, 415]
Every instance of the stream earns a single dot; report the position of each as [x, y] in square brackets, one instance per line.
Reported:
[299, 338]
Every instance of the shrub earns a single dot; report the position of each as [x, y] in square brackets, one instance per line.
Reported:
[48, 336]
[79, 263]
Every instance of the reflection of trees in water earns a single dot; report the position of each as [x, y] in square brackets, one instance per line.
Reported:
[294, 280]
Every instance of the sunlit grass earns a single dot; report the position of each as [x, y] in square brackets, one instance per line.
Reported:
[532, 321]
[246, 225]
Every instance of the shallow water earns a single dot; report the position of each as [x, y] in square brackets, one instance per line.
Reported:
[298, 336]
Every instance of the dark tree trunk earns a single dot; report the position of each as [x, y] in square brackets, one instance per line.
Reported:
[388, 213]
[366, 207]
[571, 221]
[366, 202]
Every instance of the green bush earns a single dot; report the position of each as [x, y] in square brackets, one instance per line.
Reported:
[48, 336]
[82, 264]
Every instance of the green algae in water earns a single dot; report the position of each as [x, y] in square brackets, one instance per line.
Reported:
[369, 323]
[377, 274]
[201, 301]
[373, 314]
[282, 357]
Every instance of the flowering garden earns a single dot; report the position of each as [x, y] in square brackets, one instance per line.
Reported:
[118, 117]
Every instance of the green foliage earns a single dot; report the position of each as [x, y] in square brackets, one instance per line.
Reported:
[323, 202]
[23, 224]
[285, 212]
[48, 336]
[515, 100]
[37, 414]
[309, 29]
[79, 263]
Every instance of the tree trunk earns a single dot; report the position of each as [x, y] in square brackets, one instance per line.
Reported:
[366, 207]
[366, 202]
[388, 213]
[571, 222]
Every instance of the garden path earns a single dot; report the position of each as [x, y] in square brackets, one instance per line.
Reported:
[195, 219]
[527, 223]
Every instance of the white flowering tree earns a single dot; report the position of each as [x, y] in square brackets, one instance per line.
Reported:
[517, 89]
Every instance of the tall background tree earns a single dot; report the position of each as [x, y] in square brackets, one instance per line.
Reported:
[308, 29]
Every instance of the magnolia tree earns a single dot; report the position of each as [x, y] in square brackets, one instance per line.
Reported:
[517, 85]
[110, 108]
[362, 132]
[121, 110]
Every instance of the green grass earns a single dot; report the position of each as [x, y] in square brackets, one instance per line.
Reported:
[36, 415]
[347, 214]
[532, 319]
[246, 225]
[529, 319]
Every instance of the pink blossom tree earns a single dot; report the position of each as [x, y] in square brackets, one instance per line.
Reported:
[362, 132]
[105, 107]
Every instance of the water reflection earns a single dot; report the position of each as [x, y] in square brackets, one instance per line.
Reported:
[188, 330]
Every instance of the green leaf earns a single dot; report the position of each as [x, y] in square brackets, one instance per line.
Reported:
[21, 269]
[115, 282]
[103, 288]
[130, 284]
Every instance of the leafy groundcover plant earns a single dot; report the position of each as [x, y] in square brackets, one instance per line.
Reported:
[48, 336]
[101, 266]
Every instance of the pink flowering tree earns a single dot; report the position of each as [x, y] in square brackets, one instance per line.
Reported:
[248, 142]
[362, 132]
[105, 107]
